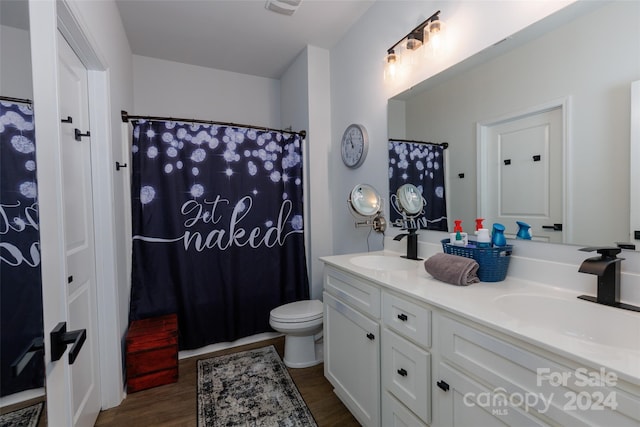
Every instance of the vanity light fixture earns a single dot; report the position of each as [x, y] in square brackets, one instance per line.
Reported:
[409, 50]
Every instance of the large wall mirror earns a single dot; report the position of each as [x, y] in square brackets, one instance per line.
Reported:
[577, 65]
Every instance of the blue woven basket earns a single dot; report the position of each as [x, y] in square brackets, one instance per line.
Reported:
[493, 262]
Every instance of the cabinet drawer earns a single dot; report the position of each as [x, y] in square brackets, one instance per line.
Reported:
[396, 414]
[354, 291]
[517, 372]
[406, 373]
[464, 403]
[406, 318]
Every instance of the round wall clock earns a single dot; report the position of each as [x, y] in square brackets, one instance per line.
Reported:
[354, 145]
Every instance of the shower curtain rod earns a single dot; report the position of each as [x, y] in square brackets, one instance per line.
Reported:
[21, 100]
[126, 118]
[444, 145]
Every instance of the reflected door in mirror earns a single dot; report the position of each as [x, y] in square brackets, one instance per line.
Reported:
[521, 179]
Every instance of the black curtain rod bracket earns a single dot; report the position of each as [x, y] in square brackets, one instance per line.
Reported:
[127, 118]
[20, 100]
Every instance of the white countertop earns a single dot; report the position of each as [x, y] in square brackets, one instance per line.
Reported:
[546, 316]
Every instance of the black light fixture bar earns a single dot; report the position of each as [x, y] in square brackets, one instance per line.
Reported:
[417, 32]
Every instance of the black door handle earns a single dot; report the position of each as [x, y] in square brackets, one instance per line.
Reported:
[554, 227]
[60, 338]
[402, 317]
[402, 372]
[36, 346]
[371, 336]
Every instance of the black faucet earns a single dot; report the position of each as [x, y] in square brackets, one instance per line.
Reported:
[607, 268]
[412, 243]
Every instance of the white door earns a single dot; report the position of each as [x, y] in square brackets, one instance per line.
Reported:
[524, 175]
[82, 381]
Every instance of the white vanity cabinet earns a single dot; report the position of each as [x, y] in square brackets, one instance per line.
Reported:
[352, 344]
[376, 351]
[403, 350]
[484, 378]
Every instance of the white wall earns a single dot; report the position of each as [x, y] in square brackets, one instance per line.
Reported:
[166, 88]
[306, 105]
[358, 93]
[15, 63]
[557, 65]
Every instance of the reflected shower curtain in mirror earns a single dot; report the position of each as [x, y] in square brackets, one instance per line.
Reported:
[20, 279]
[420, 164]
[218, 234]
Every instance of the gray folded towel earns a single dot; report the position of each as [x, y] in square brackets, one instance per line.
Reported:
[453, 269]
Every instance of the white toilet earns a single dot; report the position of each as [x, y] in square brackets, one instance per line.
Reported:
[301, 322]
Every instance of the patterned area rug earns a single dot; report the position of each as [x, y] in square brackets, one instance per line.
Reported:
[249, 388]
[25, 417]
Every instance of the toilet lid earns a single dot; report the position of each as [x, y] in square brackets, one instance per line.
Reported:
[299, 311]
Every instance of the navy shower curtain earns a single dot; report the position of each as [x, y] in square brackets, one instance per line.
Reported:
[217, 227]
[420, 164]
[20, 279]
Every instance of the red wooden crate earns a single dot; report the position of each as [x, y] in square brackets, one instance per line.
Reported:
[152, 352]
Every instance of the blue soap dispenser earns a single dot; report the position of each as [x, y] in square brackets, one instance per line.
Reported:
[497, 235]
[524, 231]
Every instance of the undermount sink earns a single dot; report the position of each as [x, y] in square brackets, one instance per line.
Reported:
[579, 319]
[382, 263]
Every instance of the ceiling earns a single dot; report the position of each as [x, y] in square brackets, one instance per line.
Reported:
[235, 35]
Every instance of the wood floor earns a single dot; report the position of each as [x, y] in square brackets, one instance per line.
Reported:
[174, 405]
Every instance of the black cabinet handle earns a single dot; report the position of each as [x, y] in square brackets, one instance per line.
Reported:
[402, 372]
[79, 134]
[371, 336]
[402, 317]
[60, 338]
[443, 385]
[67, 120]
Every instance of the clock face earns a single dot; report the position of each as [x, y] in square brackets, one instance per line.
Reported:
[355, 144]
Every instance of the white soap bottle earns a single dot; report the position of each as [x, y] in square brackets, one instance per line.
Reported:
[483, 238]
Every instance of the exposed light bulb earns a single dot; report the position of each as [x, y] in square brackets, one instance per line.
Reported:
[391, 65]
[411, 49]
[436, 36]
[413, 43]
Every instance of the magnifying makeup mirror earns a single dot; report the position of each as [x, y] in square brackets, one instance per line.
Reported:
[365, 205]
[410, 200]
[410, 203]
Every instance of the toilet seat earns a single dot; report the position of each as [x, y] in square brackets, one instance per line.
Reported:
[298, 312]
